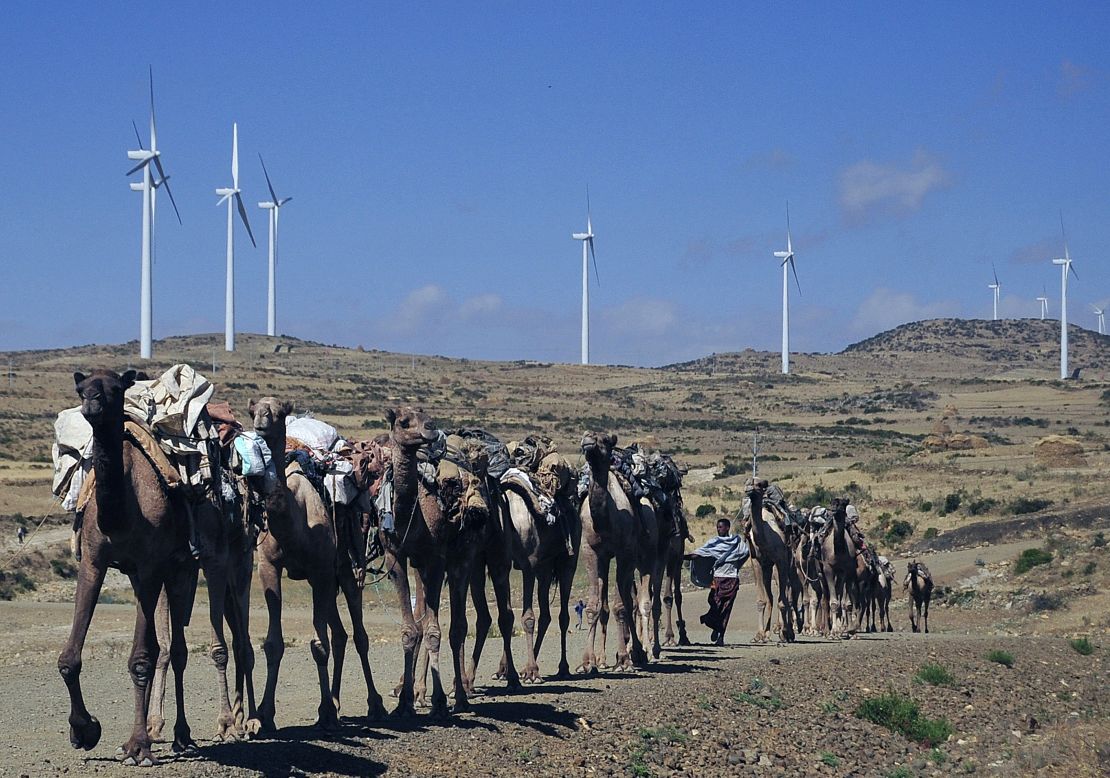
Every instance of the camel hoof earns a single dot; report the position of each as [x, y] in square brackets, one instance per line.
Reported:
[85, 736]
[656, 652]
[516, 684]
[684, 641]
[404, 710]
[375, 709]
[327, 719]
[440, 711]
[461, 707]
[564, 674]
[669, 643]
[184, 745]
[154, 729]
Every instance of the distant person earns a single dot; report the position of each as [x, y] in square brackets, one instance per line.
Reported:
[21, 534]
[726, 580]
[579, 609]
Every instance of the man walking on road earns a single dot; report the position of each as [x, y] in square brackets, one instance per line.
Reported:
[726, 582]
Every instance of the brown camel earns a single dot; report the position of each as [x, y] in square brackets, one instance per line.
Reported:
[225, 541]
[808, 563]
[612, 529]
[881, 594]
[840, 568]
[133, 522]
[672, 547]
[771, 561]
[920, 583]
[439, 547]
[302, 540]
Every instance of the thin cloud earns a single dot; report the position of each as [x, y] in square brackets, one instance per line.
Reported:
[1037, 251]
[869, 188]
[886, 308]
[480, 305]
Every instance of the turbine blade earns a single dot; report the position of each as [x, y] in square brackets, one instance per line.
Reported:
[789, 248]
[795, 269]
[594, 257]
[283, 202]
[273, 194]
[222, 200]
[139, 166]
[1072, 269]
[166, 183]
[234, 155]
[137, 136]
[995, 271]
[1065, 234]
[243, 216]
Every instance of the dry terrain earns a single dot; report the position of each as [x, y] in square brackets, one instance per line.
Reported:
[932, 429]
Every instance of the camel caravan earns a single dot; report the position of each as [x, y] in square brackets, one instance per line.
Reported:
[165, 482]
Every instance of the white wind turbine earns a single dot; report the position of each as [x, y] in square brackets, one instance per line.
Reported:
[274, 207]
[1043, 300]
[587, 239]
[234, 201]
[996, 287]
[1065, 267]
[1101, 320]
[145, 157]
[787, 258]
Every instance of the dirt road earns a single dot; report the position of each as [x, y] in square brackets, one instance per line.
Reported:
[780, 710]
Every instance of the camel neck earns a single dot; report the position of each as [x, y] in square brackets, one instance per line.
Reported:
[598, 494]
[275, 441]
[406, 481]
[840, 545]
[759, 525]
[107, 464]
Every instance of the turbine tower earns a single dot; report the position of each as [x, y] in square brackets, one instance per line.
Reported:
[274, 207]
[787, 258]
[1065, 267]
[1101, 321]
[1043, 300]
[587, 239]
[145, 157]
[234, 200]
[996, 287]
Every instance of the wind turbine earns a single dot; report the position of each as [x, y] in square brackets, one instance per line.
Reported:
[1101, 321]
[1065, 267]
[587, 239]
[274, 207]
[234, 200]
[145, 157]
[787, 258]
[1043, 300]
[996, 287]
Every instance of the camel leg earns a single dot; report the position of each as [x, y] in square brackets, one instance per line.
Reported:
[762, 602]
[324, 614]
[84, 729]
[531, 671]
[926, 616]
[338, 635]
[638, 657]
[144, 653]
[273, 647]
[411, 634]
[655, 589]
[499, 575]
[593, 607]
[565, 570]
[482, 623]
[602, 662]
[156, 719]
[432, 579]
[420, 675]
[544, 603]
[179, 590]
[375, 709]
[786, 608]
[676, 578]
[458, 579]
[216, 575]
[238, 619]
[667, 596]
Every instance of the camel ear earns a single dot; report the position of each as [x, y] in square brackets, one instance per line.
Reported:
[286, 407]
[127, 380]
[251, 405]
[391, 416]
[78, 379]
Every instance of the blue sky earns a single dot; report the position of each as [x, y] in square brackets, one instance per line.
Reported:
[438, 157]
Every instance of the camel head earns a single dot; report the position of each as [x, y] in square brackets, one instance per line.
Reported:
[754, 486]
[410, 427]
[101, 393]
[267, 413]
[598, 449]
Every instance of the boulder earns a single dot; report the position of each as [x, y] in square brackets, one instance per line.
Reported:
[1059, 451]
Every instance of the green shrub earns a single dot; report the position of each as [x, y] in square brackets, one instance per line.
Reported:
[931, 532]
[981, 506]
[1030, 558]
[934, 674]
[820, 495]
[899, 531]
[926, 506]
[705, 509]
[902, 714]
[1082, 646]
[829, 758]
[1001, 657]
[1100, 537]
[1028, 505]
[62, 568]
[13, 583]
[1089, 568]
[952, 502]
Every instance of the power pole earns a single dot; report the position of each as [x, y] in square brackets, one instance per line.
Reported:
[755, 454]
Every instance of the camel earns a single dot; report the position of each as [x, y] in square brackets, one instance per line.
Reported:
[302, 540]
[612, 529]
[539, 551]
[672, 547]
[840, 566]
[225, 541]
[133, 522]
[881, 593]
[771, 558]
[920, 584]
[438, 548]
[814, 589]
